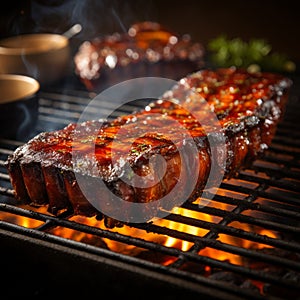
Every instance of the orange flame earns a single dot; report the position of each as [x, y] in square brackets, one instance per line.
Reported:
[167, 241]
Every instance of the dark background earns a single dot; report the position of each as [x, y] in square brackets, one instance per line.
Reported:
[276, 21]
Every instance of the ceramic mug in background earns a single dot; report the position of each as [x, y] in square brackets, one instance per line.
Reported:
[43, 56]
[18, 106]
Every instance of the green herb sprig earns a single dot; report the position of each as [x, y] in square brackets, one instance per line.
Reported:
[254, 55]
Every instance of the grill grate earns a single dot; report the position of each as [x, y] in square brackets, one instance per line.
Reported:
[263, 197]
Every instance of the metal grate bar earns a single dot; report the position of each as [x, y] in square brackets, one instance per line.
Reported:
[264, 196]
[215, 227]
[285, 184]
[158, 229]
[257, 275]
[243, 218]
[215, 284]
[213, 234]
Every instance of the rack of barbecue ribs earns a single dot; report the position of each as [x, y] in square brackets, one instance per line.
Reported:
[147, 49]
[248, 107]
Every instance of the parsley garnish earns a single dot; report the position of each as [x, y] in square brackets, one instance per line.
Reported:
[254, 55]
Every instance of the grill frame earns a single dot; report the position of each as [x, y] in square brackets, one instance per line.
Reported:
[63, 100]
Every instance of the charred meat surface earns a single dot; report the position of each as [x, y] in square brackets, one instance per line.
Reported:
[228, 115]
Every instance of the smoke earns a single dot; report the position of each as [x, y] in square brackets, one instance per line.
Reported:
[119, 20]
[97, 17]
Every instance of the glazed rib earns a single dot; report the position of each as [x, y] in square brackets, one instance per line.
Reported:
[247, 107]
[147, 49]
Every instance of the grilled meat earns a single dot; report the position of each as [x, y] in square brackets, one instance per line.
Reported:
[147, 49]
[247, 108]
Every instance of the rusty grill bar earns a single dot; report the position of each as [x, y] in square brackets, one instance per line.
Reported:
[266, 196]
